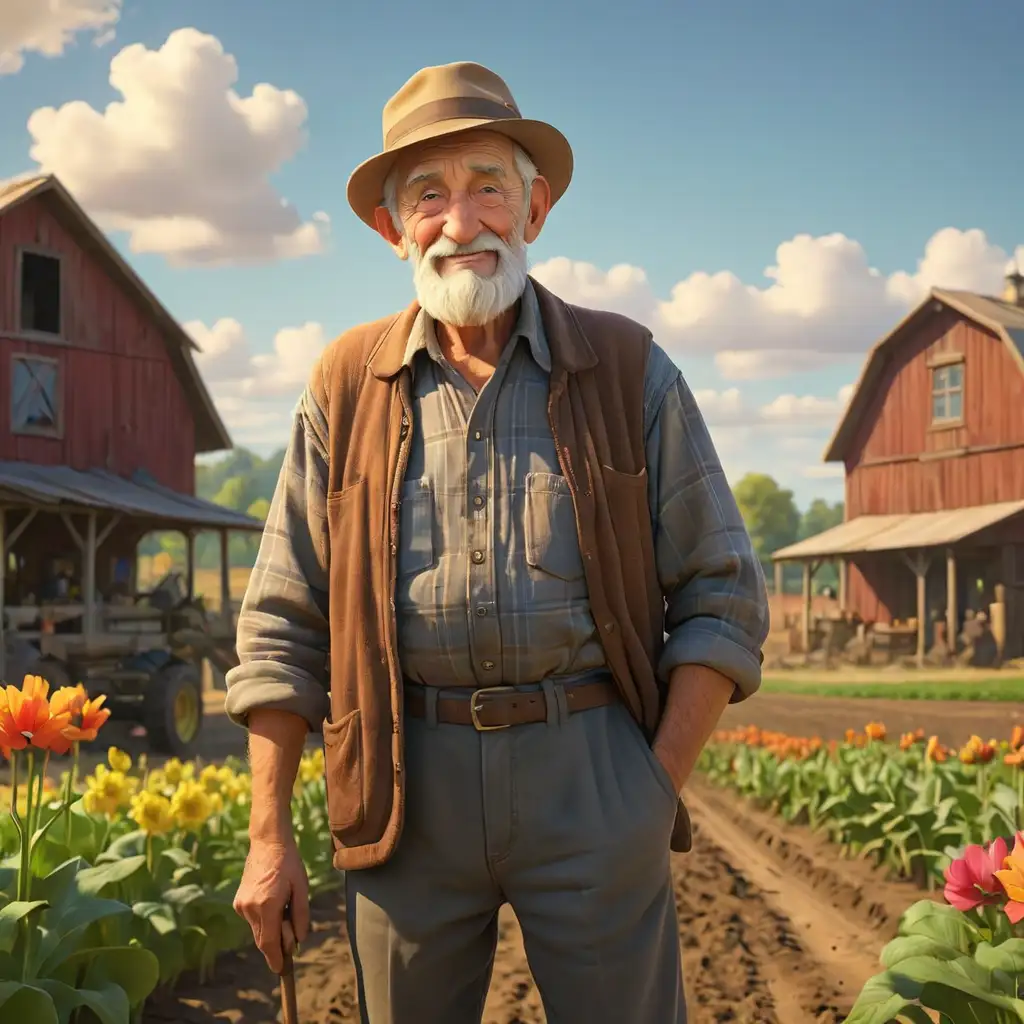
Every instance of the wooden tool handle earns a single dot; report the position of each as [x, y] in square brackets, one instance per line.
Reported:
[289, 1001]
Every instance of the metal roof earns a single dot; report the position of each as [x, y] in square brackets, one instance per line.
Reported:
[1003, 319]
[26, 483]
[899, 532]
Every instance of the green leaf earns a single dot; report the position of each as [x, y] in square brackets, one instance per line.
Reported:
[26, 1003]
[879, 1002]
[960, 975]
[65, 927]
[11, 917]
[133, 968]
[93, 881]
[183, 895]
[903, 947]
[938, 921]
[1008, 956]
[108, 1002]
[159, 915]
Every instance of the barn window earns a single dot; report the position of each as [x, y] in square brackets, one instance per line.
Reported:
[40, 293]
[35, 396]
[948, 393]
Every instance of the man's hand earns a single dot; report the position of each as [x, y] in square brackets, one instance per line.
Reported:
[274, 878]
[697, 696]
[274, 874]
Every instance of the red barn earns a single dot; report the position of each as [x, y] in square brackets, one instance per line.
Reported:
[102, 410]
[932, 443]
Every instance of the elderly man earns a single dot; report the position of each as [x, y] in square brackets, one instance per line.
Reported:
[504, 574]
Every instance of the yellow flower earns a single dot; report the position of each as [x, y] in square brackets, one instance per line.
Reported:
[236, 791]
[211, 779]
[106, 792]
[119, 761]
[157, 782]
[191, 806]
[175, 771]
[311, 767]
[152, 813]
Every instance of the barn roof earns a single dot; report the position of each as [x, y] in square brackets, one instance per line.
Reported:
[210, 433]
[61, 488]
[1003, 319]
[899, 532]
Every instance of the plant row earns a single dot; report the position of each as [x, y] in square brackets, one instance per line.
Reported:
[116, 885]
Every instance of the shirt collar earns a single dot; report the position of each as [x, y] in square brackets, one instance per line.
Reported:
[530, 326]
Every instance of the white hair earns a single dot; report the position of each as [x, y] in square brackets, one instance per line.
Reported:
[524, 165]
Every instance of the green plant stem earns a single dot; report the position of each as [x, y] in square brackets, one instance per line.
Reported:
[69, 793]
[24, 878]
[149, 853]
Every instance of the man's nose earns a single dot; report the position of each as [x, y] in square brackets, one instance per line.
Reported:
[462, 222]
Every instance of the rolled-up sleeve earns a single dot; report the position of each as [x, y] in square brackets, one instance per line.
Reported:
[283, 633]
[716, 598]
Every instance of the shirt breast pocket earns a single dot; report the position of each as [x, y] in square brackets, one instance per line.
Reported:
[416, 551]
[552, 540]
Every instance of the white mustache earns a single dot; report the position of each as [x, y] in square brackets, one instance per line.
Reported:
[484, 242]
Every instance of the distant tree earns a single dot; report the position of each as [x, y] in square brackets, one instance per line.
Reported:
[818, 517]
[259, 509]
[769, 512]
[234, 493]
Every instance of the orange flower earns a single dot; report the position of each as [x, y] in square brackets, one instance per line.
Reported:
[94, 715]
[851, 735]
[874, 731]
[908, 739]
[1011, 877]
[1016, 759]
[935, 751]
[68, 698]
[1017, 738]
[25, 717]
[977, 751]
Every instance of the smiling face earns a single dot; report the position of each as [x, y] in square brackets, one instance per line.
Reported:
[463, 211]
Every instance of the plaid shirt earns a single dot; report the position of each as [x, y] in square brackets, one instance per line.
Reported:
[490, 584]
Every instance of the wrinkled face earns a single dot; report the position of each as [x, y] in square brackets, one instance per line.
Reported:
[463, 212]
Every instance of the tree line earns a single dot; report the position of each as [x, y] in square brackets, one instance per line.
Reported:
[245, 482]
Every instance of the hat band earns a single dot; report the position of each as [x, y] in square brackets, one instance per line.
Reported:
[446, 110]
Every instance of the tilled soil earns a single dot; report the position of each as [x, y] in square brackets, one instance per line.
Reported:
[774, 929]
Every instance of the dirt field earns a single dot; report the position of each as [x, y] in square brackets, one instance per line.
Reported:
[774, 930]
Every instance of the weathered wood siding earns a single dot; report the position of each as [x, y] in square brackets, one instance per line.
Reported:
[901, 463]
[123, 406]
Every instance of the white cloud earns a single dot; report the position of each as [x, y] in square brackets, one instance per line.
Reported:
[825, 471]
[48, 26]
[233, 371]
[182, 162]
[789, 411]
[825, 303]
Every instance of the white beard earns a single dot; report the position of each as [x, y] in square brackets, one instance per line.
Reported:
[464, 298]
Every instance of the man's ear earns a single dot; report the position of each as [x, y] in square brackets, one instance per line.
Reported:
[385, 226]
[537, 212]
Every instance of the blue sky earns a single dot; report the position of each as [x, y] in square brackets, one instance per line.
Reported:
[706, 135]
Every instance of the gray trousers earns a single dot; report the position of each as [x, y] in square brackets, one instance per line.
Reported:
[569, 822]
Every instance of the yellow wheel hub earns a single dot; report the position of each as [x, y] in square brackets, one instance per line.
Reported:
[186, 715]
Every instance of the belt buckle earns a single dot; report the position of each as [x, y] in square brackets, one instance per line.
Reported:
[475, 708]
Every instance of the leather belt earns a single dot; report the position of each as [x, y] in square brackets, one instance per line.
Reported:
[500, 707]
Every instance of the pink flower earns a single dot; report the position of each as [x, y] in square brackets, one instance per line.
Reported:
[971, 881]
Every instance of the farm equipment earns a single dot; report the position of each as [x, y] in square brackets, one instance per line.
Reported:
[146, 658]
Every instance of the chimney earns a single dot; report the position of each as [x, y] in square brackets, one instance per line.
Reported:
[1013, 293]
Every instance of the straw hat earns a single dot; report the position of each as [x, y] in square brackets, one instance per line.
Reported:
[445, 100]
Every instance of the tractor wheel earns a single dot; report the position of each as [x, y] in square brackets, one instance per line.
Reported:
[174, 709]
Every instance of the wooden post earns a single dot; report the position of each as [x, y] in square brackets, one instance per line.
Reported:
[842, 584]
[89, 575]
[919, 566]
[952, 612]
[805, 621]
[778, 578]
[225, 580]
[190, 562]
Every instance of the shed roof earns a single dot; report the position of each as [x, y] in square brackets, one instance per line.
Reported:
[908, 532]
[1003, 319]
[211, 433]
[61, 488]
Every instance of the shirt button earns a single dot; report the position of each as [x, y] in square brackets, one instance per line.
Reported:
[478, 557]
[481, 612]
[477, 435]
[487, 665]
[478, 501]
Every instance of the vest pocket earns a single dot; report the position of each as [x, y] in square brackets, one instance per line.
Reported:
[552, 541]
[416, 528]
[343, 762]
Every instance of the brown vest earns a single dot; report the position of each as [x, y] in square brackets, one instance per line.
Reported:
[596, 413]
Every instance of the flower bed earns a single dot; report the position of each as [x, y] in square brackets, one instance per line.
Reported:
[938, 816]
[117, 886]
